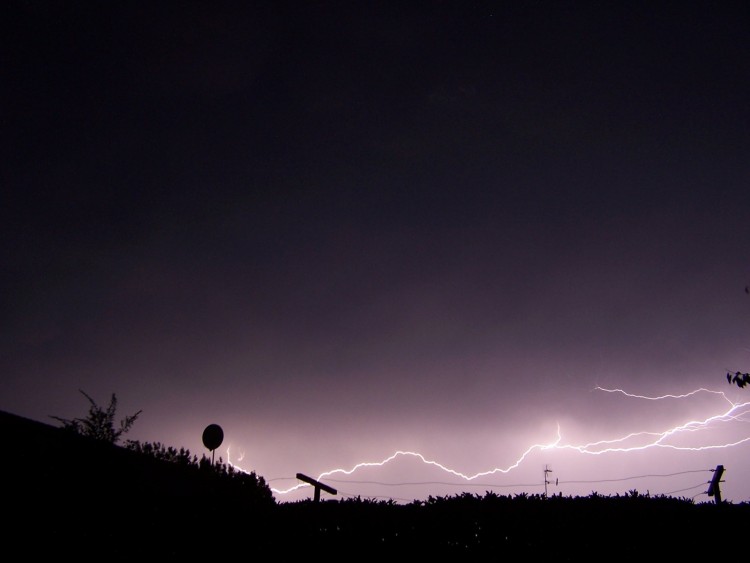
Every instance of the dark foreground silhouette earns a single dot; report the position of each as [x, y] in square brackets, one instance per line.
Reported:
[67, 496]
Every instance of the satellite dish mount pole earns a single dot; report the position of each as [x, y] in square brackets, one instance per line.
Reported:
[213, 436]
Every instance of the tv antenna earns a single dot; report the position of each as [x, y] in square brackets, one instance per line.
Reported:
[213, 436]
[547, 471]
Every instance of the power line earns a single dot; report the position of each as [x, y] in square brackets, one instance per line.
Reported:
[448, 483]
[491, 486]
[633, 477]
[514, 485]
[468, 484]
[687, 489]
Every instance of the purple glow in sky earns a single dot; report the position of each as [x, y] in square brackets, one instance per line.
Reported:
[344, 230]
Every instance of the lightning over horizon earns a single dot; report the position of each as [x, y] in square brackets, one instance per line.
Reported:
[644, 440]
[391, 250]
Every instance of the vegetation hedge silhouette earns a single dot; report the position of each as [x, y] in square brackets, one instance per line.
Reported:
[99, 425]
[246, 485]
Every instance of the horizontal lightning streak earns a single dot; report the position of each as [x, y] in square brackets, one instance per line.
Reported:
[661, 397]
[737, 412]
[427, 462]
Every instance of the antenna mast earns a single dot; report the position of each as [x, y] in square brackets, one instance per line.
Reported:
[547, 471]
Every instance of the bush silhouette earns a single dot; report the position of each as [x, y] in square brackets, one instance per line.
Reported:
[245, 486]
[738, 378]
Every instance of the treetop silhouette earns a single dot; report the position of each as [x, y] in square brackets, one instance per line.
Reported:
[100, 422]
[738, 378]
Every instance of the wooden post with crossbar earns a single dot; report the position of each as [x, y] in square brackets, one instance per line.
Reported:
[317, 484]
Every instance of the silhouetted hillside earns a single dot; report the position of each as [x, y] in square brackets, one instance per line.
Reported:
[68, 496]
[73, 494]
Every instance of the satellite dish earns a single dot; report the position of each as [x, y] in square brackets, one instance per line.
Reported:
[213, 436]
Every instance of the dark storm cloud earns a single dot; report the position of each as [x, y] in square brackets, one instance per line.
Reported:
[385, 217]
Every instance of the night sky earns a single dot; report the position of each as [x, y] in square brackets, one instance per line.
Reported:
[344, 229]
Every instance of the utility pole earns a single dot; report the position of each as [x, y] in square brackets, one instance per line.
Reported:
[713, 488]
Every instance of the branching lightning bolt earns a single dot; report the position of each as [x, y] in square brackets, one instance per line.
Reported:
[737, 412]
[661, 397]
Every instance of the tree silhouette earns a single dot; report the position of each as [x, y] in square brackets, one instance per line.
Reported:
[99, 423]
[738, 378]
